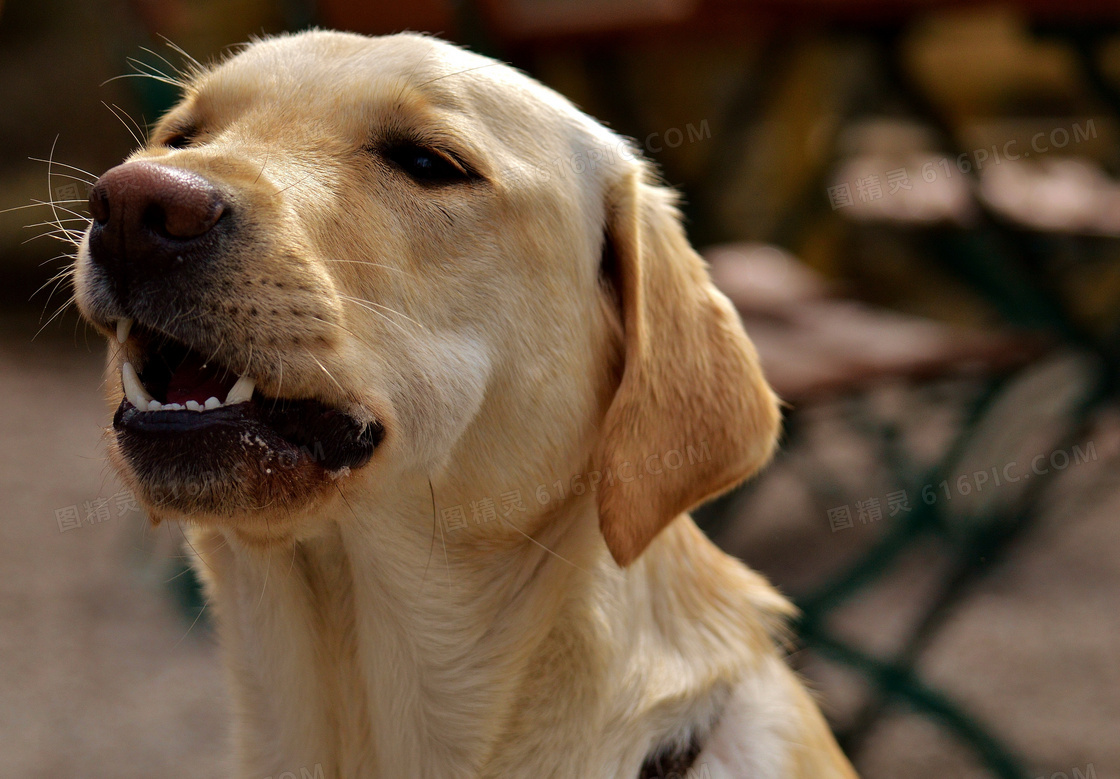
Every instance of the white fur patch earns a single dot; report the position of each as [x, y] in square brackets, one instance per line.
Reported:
[752, 738]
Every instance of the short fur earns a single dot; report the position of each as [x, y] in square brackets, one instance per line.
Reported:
[550, 361]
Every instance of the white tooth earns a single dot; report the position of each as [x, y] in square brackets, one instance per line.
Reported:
[172, 407]
[212, 403]
[241, 392]
[155, 405]
[193, 405]
[124, 325]
[133, 389]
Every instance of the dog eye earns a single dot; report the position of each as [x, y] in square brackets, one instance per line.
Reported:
[426, 165]
[179, 140]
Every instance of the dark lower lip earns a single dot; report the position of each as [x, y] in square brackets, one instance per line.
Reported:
[242, 456]
[129, 418]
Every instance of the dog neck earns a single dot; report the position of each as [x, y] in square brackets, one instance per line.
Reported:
[388, 646]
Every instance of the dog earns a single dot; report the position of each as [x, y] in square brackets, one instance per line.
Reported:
[420, 356]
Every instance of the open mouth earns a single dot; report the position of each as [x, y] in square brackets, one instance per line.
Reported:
[177, 378]
[183, 412]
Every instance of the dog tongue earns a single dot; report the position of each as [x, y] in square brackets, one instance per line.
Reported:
[193, 380]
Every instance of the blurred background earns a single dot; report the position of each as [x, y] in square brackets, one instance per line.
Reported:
[915, 204]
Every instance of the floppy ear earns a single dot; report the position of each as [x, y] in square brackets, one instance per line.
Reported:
[693, 415]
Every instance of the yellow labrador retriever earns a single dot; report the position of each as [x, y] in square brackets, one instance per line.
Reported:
[423, 358]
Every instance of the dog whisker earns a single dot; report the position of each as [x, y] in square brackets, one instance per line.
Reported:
[68, 237]
[404, 84]
[443, 540]
[50, 170]
[248, 361]
[294, 183]
[198, 556]
[57, 204]
[280, 382]
[367, 303]
[267, 571]
[57, 228]
[432, 544]
[291, 564]
[146, 67]
[542, 546]
[169, 82]
[54, 316]
[217, 349]
[450, 220]
[459, 73]
[120, 114]
[267, 157]
[70, 261]
[178, 72]
[64, 220]
[373, 264]
[55, 163]
[42, 203]
[196, 66]
[324, 368]
[57, 280]
[201, 611]
[184, 572]
[343, 328]
[57, 175]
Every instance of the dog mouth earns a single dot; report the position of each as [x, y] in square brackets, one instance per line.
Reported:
[200, 436]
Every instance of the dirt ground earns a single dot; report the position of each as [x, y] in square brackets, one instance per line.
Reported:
[101, 676]
[104, 677]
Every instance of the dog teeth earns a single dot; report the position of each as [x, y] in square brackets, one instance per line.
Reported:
[139, 397]
[124, 326]
[133, 389]
[241, 392]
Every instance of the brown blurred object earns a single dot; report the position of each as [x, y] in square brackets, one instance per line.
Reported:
[204, 28]
[436, 16]
[520, 21]
[1062, 194]
[813, 345]
[509, 20]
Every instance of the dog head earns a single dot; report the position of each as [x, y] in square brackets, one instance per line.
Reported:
[344, 261]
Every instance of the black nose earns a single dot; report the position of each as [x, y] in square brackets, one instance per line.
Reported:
[149, 219]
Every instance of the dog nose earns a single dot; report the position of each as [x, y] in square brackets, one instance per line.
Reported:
[148, 218]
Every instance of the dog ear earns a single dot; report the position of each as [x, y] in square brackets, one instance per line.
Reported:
[692, 415]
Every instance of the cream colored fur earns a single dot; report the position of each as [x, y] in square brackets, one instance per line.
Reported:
[481, 326]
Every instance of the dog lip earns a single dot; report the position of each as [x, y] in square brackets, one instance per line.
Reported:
[288, 431]
[173, 412]
[129, 417]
